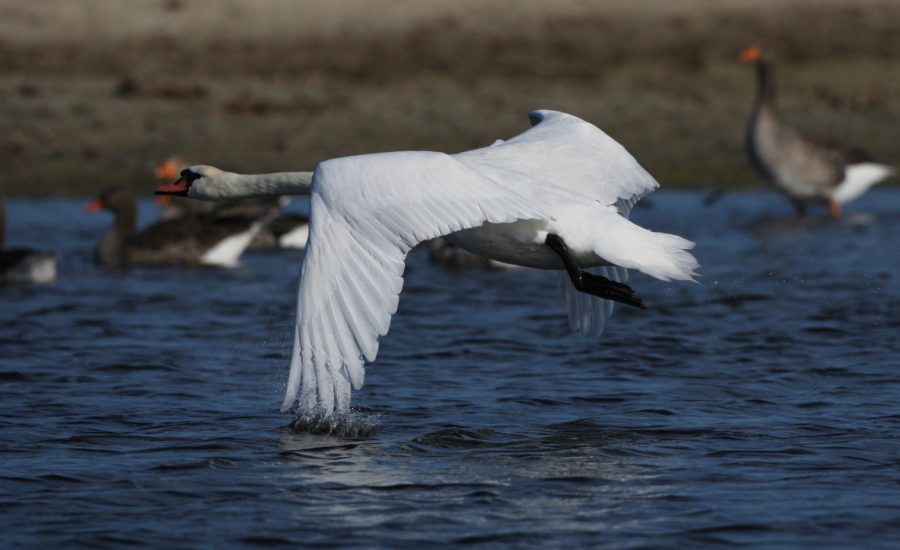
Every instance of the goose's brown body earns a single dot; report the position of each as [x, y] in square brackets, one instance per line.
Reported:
[805, 169]
[185, 241]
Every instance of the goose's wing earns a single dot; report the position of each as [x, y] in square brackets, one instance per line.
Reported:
[366, 213]
[568, 153]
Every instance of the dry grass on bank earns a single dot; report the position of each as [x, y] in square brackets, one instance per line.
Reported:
[95, 92]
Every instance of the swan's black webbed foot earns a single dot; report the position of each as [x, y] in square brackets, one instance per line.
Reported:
[590, 283]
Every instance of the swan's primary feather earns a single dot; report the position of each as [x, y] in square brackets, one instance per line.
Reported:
[366, 213]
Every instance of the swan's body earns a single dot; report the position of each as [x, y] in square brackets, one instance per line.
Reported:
[562, 189]
[805, 169]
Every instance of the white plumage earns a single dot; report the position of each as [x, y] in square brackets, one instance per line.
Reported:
[227, 252]
[564, 177]
[367, 212]
[858, 178]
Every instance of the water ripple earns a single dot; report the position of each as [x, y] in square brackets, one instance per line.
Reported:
[759, 408]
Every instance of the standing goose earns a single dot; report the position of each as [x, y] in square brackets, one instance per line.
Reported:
[23, 265]
[285, 230]
[804, 169]
[191, 240]
[555, 197]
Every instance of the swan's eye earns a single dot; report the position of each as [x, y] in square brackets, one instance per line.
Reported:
[189, 176]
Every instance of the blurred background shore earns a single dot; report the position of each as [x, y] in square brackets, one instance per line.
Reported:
[97, 92]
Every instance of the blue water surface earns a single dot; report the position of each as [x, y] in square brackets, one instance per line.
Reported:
[760, 407]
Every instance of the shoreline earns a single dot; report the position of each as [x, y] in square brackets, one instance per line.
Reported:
[664, 81]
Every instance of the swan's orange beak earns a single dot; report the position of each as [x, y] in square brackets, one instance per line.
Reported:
[167, 170]
[179, 188]
[94, 206]
[751, 54]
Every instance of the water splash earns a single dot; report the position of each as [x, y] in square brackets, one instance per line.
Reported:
[352, 423]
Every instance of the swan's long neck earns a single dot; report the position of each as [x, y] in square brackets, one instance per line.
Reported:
[268, 185]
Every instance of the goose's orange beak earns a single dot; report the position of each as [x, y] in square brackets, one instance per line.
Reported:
[94, 206]
[179, 188]
[751, 54]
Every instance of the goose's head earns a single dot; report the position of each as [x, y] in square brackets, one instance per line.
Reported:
[200, 182]
[114, 199]
[170, 169]
[755, 53]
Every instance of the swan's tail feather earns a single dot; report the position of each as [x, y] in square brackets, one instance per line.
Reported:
[672, 261]
[858, 178]
[660, 255]
[588, 313]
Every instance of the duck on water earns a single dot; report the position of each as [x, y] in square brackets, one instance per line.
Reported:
[555, 197]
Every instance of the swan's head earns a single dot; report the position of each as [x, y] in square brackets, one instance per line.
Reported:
[200, 182]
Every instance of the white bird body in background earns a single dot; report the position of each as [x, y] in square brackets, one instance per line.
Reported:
[556, 197]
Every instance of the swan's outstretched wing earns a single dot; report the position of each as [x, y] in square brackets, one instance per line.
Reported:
[569, 153]
[366, 213]
[568, 159]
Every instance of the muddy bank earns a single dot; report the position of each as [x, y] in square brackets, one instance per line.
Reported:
[97, 94]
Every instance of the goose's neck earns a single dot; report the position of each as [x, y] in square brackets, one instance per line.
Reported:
[112, 248]
[765, 88]
[762, 118]
[269, 185]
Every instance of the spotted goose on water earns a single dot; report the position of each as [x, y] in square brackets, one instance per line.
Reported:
[803, 168]
[191, 240]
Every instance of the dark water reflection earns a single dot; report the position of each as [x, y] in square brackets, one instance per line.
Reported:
[760, 407]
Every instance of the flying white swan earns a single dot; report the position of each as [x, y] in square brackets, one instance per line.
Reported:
[556, 196]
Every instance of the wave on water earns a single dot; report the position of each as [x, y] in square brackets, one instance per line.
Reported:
[353, 423]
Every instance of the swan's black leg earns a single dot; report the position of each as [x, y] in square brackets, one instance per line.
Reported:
[590, 283]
